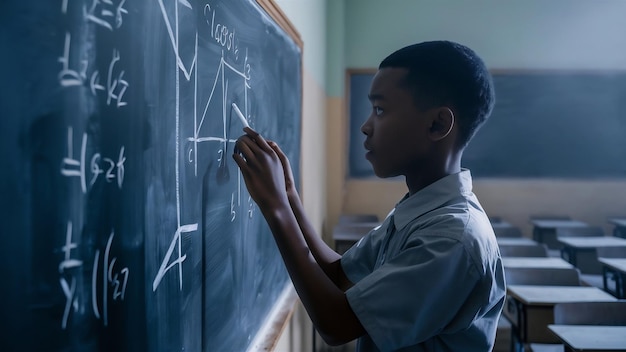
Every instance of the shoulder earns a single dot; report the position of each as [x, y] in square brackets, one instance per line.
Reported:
[459, 223]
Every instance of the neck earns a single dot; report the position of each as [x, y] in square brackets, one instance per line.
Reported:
[421, 178]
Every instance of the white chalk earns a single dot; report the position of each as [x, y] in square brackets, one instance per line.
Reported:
[241, 117]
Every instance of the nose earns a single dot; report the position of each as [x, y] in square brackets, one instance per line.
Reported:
[366, 127]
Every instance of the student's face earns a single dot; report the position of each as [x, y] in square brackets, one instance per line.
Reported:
[397, 131]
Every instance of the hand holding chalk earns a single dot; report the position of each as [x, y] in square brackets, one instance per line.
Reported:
[240, 115]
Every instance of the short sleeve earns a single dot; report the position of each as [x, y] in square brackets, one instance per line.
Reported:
[416, 294]
[360, 259]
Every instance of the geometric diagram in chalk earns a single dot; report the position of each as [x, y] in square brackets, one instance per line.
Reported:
[187, 62]
[224, 71]
[187, 66]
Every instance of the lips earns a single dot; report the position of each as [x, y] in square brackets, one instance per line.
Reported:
[369, 152]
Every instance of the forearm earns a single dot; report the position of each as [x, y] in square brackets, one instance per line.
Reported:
[326, 257]
[267, 175]
[324, 301]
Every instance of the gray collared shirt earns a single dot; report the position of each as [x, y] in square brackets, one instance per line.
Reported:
[430, 278]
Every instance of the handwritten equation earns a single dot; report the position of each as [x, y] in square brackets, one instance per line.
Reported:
[109, 278]
[112, 284]
[99, 166]
[76, 70]
[105, 13]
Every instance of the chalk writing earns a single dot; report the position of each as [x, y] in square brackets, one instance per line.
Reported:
[174, 39]
[116, 87]
[109, 15]
[76, 75]
[117, 280]
[69, 289]
[187, 65]
[220, 77]
[223, 35]
[99, 165]
[233, 213]
[105, 13]
[71, 77]
[251, 207]
[176, 242]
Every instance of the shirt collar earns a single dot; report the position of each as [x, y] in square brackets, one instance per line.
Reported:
[432, 197]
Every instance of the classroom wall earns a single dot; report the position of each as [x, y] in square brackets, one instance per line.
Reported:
[308, 16]
[532, 34]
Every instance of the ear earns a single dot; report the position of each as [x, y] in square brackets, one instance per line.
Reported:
[442, 123]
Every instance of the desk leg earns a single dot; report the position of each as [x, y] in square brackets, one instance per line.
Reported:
[537, 234]
[605, 279]
[522, 332]
[621, 285]
[516, 344]
[569, 254]
[606, 274]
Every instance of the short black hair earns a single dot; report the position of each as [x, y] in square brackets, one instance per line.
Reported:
[444, 73]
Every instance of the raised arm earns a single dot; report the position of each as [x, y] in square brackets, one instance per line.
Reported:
[326, 257]
[325, 301]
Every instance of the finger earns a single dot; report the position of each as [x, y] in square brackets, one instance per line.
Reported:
[244, 147]
[281, 155]
[241, 162]
[249, 131]
[252, 148]
[258, 138]
[275, 147]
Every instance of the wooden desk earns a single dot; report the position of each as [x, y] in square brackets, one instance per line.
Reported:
[530, 308]
[544, 231]
[620, 227]
[591, 338]
[520, 262]
[614, 268]
[506, 230]
[511, 241]
[581, 251]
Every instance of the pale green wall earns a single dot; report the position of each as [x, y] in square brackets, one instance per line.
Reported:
[577, 34]
[335, 42]
[309, 18]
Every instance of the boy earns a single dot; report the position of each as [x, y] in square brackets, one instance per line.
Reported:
[430, 278]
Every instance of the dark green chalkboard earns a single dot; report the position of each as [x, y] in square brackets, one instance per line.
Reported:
[126, 223]
[545, 124]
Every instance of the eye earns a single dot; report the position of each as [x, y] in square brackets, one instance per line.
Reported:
[377, 110]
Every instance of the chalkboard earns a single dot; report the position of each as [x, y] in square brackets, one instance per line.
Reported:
[126, 223]
[545, 124]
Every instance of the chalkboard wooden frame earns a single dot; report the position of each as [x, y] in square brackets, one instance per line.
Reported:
[547, 123]
[281, 19]
[269, 335]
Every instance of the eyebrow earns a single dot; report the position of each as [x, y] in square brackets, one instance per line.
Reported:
[372, 97]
